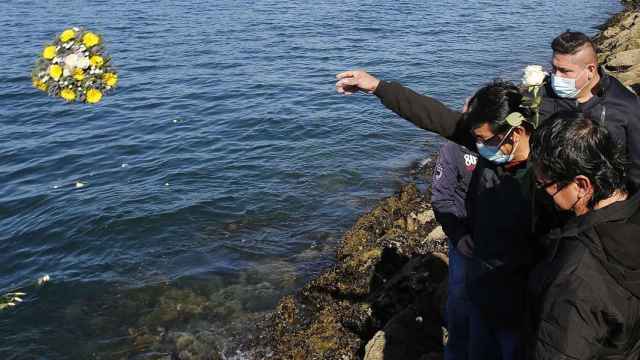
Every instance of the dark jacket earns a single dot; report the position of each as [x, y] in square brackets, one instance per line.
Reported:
[615, 106]
[588, 288]
[451, 177]
[499, 208]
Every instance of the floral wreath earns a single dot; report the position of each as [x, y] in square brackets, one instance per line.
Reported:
[75, 67]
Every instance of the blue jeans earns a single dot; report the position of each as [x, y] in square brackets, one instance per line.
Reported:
[457, 312]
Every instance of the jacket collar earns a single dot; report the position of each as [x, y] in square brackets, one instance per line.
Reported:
[617, 211]
[603, 86]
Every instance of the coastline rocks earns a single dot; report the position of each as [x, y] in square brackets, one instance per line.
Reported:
[389, 277]
[619, 46]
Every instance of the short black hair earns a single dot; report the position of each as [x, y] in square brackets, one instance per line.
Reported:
[570, 144]
[493, 103]
[569, 42]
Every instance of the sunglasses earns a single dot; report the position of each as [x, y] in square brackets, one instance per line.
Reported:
[496, 140]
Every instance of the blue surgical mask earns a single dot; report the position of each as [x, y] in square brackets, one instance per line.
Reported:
[564, 87]
[493, 154]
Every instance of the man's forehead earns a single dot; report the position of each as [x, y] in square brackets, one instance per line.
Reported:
[483, 131]
[565, 60]
[584, 56]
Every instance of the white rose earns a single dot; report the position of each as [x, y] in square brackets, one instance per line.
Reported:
[83, 62]
[71, 61]
[533, 75]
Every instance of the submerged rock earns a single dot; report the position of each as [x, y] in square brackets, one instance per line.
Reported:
[390, 270]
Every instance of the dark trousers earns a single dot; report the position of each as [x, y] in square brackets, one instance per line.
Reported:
[457, 312]
[489, 341]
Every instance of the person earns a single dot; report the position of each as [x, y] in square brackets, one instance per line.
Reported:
[586, 292]
[451, 177]
[501, 218]
[576, 83]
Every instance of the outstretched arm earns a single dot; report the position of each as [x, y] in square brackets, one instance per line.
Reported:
[423, 111]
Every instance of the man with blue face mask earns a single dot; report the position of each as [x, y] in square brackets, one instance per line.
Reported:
[503, 216]
[576, 83]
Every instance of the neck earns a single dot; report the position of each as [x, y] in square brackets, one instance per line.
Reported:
[522, 152]
[617, 196]
[589, 90]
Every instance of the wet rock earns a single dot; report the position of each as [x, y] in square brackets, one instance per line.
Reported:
[374, 350]
[624, 58]
[176, 305]
[619, 46]
[386, 268]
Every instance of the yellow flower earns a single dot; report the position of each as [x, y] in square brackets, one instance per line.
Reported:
[97, 60]
[90, 39]
[67, 35]
[93, 96]
[55, 71]
[78, 74]
[49, 52]
[40, 85]
[110, 79]
[68, 94]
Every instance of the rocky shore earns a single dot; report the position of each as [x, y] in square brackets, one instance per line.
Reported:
[619, 45]
[383, 298]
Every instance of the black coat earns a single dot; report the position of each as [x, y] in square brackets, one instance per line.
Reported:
[615, 106]
[587, 290]
[500, 210]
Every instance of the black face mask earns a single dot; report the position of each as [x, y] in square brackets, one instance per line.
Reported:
[559, 209]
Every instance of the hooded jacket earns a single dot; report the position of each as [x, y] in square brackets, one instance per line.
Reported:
[587, 290]
[614, 106]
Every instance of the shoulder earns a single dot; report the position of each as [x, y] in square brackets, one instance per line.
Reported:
[451, 151]
[580, 276]
[618, 91]
[459, 155]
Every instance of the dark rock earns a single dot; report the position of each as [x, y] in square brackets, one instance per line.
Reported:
[388, 271]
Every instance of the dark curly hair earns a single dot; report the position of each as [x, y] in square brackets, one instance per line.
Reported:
[493, 102]
[570, 144]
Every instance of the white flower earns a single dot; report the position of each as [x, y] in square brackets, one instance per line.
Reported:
[533, 75]
[66, 71]
[83, 62]
[43, 280]
[71, 60]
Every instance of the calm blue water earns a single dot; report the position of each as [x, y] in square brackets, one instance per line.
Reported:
[225, 166]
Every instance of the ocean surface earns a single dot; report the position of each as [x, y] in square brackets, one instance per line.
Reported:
[223, 171]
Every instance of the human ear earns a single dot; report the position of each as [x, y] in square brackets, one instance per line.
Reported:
[518, 132]
[584, 185]
[592, 69]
